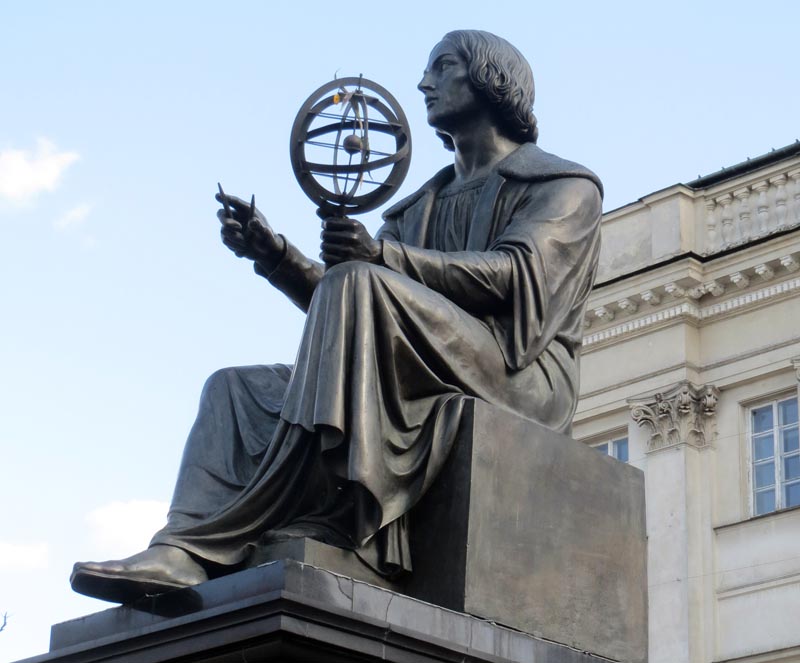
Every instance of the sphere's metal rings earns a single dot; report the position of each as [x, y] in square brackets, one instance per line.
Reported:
[367, 108]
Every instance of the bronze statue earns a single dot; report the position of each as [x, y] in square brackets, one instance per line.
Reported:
[474, 288]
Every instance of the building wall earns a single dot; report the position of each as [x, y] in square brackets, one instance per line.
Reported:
[695, 319]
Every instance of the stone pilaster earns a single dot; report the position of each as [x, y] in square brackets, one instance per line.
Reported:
[681, 423]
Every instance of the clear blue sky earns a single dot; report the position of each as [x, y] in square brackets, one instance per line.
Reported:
[118, 118]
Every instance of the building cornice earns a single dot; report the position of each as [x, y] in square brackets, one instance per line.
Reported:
[646, 201]
[692, 313]
[689, 292]
[747, 166]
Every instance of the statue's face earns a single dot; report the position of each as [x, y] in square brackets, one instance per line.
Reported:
[449, 94]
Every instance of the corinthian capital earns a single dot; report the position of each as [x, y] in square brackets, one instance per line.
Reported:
[684, 414]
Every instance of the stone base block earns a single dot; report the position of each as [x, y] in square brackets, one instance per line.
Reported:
[287, 611]
[539, 532]
[323, 556]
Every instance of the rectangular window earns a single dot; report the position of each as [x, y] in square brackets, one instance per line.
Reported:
[775, 453]
[615, 448]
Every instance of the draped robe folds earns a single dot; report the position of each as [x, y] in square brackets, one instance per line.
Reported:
[480, 303]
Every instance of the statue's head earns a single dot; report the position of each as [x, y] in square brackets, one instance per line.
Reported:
[499, 76]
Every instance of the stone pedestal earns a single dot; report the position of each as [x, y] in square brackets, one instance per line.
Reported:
[287, 611]
[539, 532]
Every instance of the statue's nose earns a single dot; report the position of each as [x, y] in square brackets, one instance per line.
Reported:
[425, 84]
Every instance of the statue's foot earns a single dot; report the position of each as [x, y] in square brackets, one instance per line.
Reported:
[154, 571]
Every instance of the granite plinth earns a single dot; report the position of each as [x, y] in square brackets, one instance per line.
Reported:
[289, 611]
[534, 530]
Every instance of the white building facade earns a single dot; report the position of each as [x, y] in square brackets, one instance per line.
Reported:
[690, 370]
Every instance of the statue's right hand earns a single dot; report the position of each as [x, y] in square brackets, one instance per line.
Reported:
[247, 233]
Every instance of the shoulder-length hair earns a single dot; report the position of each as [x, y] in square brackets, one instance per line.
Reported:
[501, 73]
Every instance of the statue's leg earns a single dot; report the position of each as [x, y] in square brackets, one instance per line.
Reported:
[239, 442]
[291, 487]
[237, 416]
[236, 419]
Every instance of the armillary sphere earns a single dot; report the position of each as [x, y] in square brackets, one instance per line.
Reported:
[350, 146]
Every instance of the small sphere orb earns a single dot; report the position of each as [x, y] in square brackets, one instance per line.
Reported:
[352, 144]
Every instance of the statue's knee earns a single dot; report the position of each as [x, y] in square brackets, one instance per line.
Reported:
[354, 269]
[340, 281]
[220, 378]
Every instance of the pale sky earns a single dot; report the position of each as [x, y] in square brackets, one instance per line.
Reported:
[117, 119]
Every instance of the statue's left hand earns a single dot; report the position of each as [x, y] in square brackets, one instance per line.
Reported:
[345, 239]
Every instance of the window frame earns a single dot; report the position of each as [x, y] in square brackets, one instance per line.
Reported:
[610, 443]
[778, 454]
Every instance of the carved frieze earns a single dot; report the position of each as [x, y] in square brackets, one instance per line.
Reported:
[684, 414]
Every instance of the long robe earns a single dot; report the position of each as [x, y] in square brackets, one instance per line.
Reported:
[478, 300]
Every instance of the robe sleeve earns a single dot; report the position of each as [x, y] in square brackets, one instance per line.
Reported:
[295, 275]
[553, 240]
[477, 281]
[533, 281]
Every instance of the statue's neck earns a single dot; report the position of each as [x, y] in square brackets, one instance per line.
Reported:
[477, 152]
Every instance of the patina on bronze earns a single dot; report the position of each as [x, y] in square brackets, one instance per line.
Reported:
[474, 288]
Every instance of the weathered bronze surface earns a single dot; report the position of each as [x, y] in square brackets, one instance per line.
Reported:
[474, 288]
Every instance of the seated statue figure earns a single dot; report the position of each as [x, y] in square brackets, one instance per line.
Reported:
[474, 288]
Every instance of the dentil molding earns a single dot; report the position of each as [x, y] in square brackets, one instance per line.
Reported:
[689, 309]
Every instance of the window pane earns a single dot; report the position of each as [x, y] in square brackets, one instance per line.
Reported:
[787, 412]
[791, 494]
[602, 448]
[762, 419]
[791, 468]
[765, 502]
[763, 447]
[621, 450]
[764, 474]
[790, 440]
